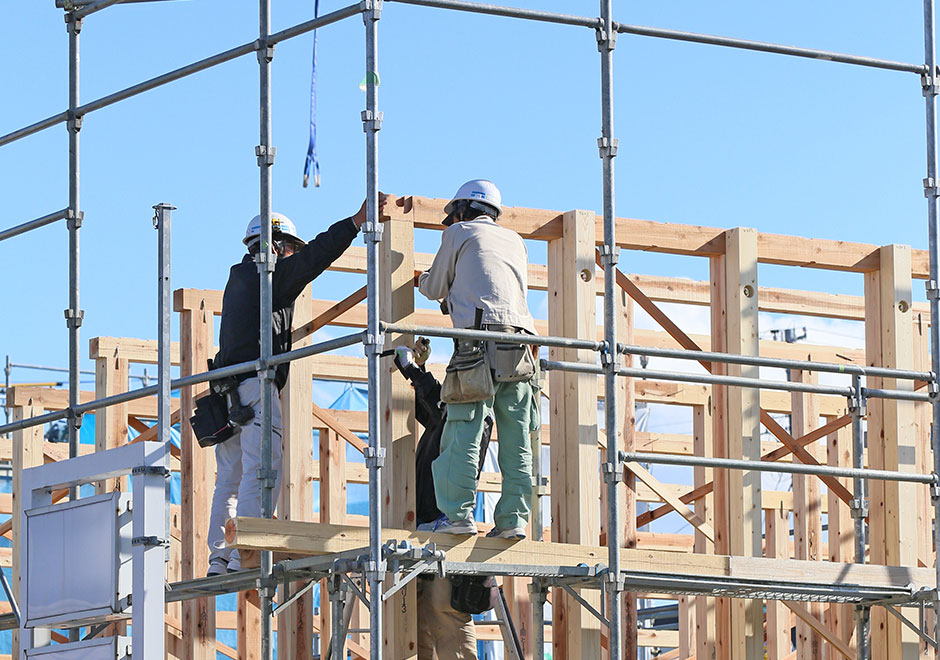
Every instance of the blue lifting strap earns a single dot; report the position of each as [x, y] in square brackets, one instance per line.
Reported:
[312, 147]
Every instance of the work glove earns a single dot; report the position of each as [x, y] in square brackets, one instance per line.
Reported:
[422, 351]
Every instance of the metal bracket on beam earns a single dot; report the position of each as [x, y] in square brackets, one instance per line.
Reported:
[73, 219]
[605, 41]
[360, 593]
[607, 147]
[265, 154]
[73, 318]
[931, 190]
[613, 472]
[158, 470]
[586, 605]
[372, 121]
[907, 622]
[374, 457]
[150, 541]
[371, 10]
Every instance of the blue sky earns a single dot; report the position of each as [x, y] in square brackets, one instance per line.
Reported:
[707, 136]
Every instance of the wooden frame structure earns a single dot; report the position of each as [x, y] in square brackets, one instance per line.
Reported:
[731, 515]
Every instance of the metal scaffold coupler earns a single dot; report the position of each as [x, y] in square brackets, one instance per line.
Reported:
[859, 508]
[74, 219]
[372, 232]
[265, 51]
[374, 457]
[371, 10]
[267, 374]
[614, 583]
[928, 83]
[266, 477]
[613, 472]
[265, 154]
[608, 355]
[609, 256]
[935, 486]
[605, 41]
[372, 344]
[72, 21]
[74, 123]
[372, 121]
[932, 290]
[264, 263]
[374, 570]
[607, 147]
[930, 188]
[933, 388]
[73, 318]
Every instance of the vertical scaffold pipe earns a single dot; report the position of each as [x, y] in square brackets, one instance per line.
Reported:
[372, 123]
[163, 223]
[931, 191]
[859, 507]
[265, 153]
[73, 315]
[613, 470]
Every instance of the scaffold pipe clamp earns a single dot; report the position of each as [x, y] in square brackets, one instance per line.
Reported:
[73, 318]
[374, 457]
[607, 148]
[613, 472]
[605, 41]
[74, 219]
[859, 508]
[935, 487]
[265, 153]
[371, 9]
[933, 291]
[930, 188]
[928, 84]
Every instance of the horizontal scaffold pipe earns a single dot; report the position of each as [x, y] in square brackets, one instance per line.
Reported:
[188, 70]
[91, 8]
[187, 381]
[756, 383]
[709, 379]
[510, 12]
[779, 49]
[781, 363]
[763, 466]
[34, 224]
[72, 4]
[515, 338]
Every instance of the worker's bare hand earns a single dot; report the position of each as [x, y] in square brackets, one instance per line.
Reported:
[360, 216]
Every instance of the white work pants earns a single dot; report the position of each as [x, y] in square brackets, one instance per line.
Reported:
[238, 460]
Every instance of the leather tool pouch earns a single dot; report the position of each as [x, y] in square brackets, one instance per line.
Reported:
[210, 420]
[473, 594]
[511, 363]
[468, 377]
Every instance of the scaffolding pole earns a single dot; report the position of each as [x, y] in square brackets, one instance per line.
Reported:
[931, 192]
[371, 123]
[613, 469]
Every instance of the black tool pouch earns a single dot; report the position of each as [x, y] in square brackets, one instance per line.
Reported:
[210, 420]
[473, 594]
[511, 363]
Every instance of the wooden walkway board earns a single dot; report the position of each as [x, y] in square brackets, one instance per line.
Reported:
[302, 538]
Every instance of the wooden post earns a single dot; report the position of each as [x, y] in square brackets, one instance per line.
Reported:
[704, 507]
[27, 453]
[111, 375]
[332, 510]
[249, 625]
[777, 522]
[627, 402]
[295, 627]
[397, 304]
[737, 435]
[573, 420]
[807, 514]
[197, 467]
[889, 343]
[841, 532]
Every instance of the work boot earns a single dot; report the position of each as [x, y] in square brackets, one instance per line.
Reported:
[445, 525]
[217, 566]
[511, 533]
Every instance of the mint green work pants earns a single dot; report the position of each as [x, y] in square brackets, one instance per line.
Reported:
[455, 470]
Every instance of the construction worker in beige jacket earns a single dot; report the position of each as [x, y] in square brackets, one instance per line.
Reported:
[481, 272]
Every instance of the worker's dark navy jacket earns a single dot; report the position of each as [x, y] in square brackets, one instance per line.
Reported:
[239, 333]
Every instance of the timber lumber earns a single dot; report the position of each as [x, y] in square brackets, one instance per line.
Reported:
[304, 538]
[673, 238]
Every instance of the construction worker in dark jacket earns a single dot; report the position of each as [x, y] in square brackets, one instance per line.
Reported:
[238, 459]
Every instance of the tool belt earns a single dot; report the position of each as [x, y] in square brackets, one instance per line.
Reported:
[468, 378]
[510, 362]
[219, 412]
[473, 594]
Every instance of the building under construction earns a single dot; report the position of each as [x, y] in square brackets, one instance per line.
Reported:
[842, 566]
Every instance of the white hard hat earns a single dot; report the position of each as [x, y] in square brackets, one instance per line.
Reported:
[280, 225]
[477, 190]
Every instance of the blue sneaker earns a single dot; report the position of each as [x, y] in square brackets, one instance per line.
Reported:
[444, 525]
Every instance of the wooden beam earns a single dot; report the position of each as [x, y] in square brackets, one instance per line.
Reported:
[698, 522]
[111, 377]
[330, 315]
